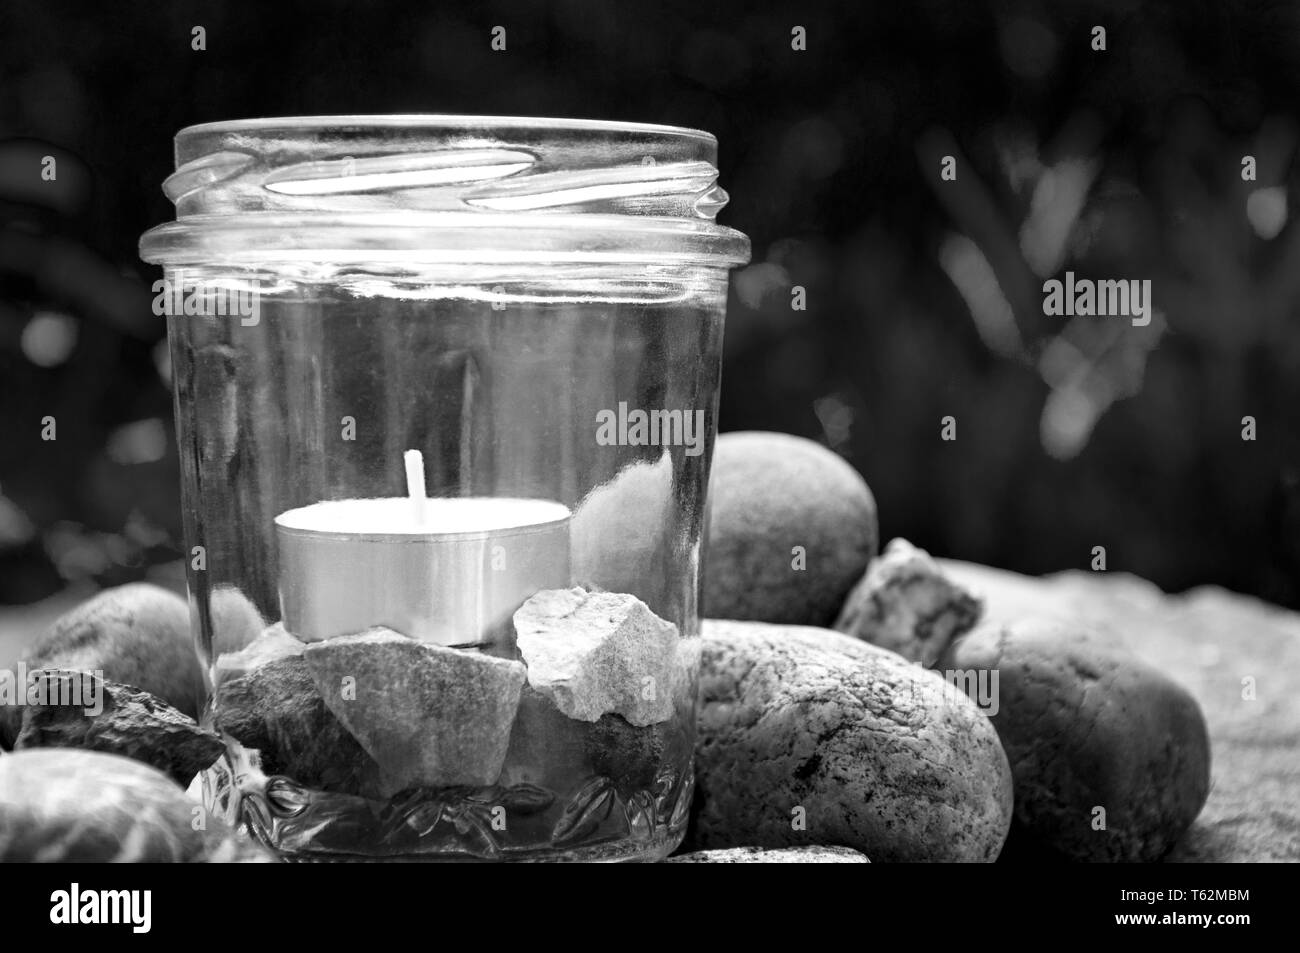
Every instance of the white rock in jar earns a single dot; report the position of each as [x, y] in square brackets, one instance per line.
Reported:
[597, 653]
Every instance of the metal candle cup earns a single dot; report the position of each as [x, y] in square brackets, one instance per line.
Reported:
[455, 579]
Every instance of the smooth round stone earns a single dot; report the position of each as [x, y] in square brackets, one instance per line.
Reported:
[808, 737]
[65, 805]
[769, 494]
[236, 623]
[137, 635]
[783, 855]
[1090, 727]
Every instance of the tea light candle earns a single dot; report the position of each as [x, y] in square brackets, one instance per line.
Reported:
[446, 570]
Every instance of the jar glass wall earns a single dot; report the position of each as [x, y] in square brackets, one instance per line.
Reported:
[446, 395]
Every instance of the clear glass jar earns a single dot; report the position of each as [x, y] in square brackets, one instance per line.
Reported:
[501, 663]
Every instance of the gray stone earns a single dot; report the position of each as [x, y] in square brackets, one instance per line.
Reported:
[276, 711]
[70, 806]
[780, 855]
[628, 755]
[1087, 725]
[905, 604]
[136, 635]
[274, 643]
[430, 716]
[868, 750]
[550, 749]
[599, 653]
[1207, 639]
[131, 723]
[771, 493]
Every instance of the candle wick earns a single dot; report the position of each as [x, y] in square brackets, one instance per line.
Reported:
[415, 484]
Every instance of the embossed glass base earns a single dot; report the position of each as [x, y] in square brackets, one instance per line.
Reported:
[600, 820]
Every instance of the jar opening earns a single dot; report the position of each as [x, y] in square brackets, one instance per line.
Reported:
[444, 185]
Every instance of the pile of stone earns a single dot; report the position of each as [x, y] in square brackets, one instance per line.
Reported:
[372, 714]
[864, 701]
[852, 705]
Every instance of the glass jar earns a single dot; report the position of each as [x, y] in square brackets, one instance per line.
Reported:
[446, 393]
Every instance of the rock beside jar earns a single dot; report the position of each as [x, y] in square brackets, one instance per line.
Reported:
[808, 736]
[128, 722]
[136, 635]
[1111, 758]
[792, 527]
[907, 605]
[64, 805]
[776, 855]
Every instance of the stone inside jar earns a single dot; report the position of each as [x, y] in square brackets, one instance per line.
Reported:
[591, 711]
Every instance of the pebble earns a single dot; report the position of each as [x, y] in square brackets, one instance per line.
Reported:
[792, 527]
[235, 620]
[137, 635]
[905, 604]
[71, 806]
[1111, 758]
[808, 736]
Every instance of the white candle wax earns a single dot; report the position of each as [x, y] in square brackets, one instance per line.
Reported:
[455, 577]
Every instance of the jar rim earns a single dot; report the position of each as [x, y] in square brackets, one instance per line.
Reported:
[443, 188]
[442, 120]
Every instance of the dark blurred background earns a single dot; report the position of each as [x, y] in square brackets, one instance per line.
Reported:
[923, 297]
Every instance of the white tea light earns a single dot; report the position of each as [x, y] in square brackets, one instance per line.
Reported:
[453, 576]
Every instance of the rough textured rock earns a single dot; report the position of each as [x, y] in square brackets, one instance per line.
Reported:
[63, 805]
[1087, 725]
[599, 653]
[880, 755]
[905, 604]
[131, 723]
[769, 494]
[1210, 641]
[781, 855]
[135, 635]
[277, 710]
[430, 716]
[274, 643]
